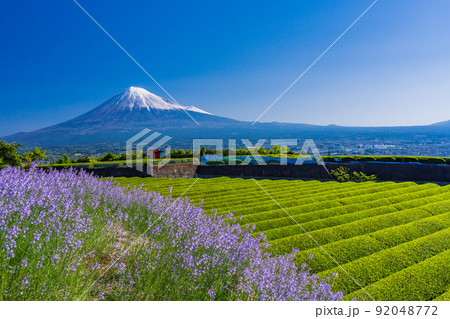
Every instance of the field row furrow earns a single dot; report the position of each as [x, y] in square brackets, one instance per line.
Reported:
[351, 249]
[423, 281]
[364, 202]
[353, 229]
[289, 198]
[277, 231]
[368, 270]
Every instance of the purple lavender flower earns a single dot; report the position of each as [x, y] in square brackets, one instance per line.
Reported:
[58, 219]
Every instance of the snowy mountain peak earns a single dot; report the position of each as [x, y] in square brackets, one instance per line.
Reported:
[136, 98]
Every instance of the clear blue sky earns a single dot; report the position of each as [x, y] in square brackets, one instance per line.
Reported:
[231, 58]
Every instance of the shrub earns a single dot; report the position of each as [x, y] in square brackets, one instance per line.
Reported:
[360, 176]
[382, 264]
[357, 228]
[64, 160]
[409, 159]
[433, 160]
[343, 174]
[366, 159]
[354, 248]
[214, 162]
[109, 157]
[9, 155]
[444, 297]
[83, 159]
[422, 281]
[347, 158]
[385, 159]
[67, 235]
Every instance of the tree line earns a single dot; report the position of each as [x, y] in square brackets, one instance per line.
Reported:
[10, 155]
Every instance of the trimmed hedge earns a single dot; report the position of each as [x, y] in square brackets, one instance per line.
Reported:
[432, 160]
[277, 232]
[423, 281]
[381, 158]
[444, 297]
[353, 229]
[365, 202]
[348, 250]
[355, 222]
[366, 159]
[370, 269]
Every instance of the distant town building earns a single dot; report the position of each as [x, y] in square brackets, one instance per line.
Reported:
[379, 146]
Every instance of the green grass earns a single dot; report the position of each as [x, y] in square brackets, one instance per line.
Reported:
[389, 158]
[393, 239]
[113, 163]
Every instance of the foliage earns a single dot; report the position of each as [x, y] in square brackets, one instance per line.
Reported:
[64, 160]
[180, 153]
[432, 160]
[109, 157]
[366, 159]
[410, 159]
[347, 158]
[360, 176]
[359, 224]
[35, 155]
[9, 154]
[406, 159]
[343, 174]
[214, 162]
[422, 281]
[67, 235]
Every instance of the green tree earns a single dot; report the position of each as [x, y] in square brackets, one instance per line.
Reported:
[276, 149]
[122, 157]
[109, 157]
[262, 150]
[9, 155]
[64, 160]
[341, 173]
[284, 149]
[35, 155]
[82, 159]
[344, 174]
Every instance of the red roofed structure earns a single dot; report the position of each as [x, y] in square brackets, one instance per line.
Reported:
[156, 154]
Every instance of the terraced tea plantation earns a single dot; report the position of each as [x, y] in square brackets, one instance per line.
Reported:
[391, 239]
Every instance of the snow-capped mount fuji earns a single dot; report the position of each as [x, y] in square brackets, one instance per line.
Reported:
[108, 126]
[122, 116]
[136, 99]
[136, 105]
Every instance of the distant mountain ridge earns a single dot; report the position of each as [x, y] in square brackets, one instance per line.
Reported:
[443, 123]
[120, 117]
[134, 109]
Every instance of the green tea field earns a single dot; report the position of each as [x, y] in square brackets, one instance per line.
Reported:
[385, 240]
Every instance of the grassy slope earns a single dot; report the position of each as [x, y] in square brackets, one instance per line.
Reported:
[392, 238]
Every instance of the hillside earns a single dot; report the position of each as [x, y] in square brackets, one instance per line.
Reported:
[108, 126]
[392, 238]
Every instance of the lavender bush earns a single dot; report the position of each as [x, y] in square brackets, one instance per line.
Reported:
[70, 236]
